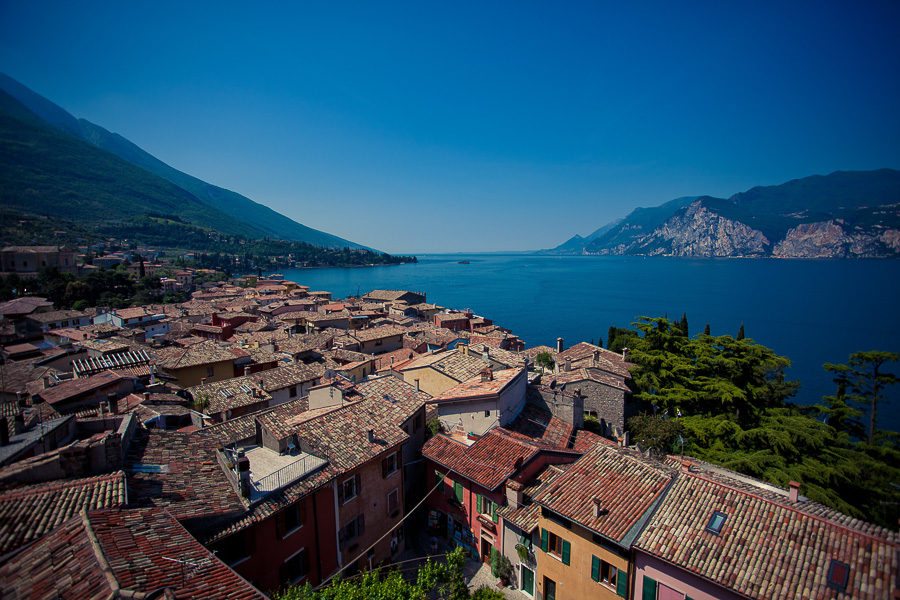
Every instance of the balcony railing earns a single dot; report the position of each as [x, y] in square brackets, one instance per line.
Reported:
[285, 476]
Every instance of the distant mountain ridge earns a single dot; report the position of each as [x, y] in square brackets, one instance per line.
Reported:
[240, 214]
[847, 214]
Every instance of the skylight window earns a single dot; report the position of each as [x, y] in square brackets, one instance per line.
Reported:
[716, 522]
[838, 575]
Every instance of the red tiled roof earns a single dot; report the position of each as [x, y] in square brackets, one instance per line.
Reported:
[625, 484]
[476, 388]
[767, 547]
[489, 461]
[77, 387]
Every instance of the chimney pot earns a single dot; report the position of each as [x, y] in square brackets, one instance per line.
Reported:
[568, 364]
[417, 385]
[596, 356]
[795, 491]
[559, 345]
[595, 503]
[371, 435]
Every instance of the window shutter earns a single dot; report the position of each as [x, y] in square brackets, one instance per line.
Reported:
[458, 491]
[494, 516]
[566, 552]
[361, 524]
[544, 539]
[649, 589]
[279, 525]
[478, 501]
[595, 568]
[622, 583]
[439, 479]
[384, 468]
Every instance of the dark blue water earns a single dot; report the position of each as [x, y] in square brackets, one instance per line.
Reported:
[812, 311]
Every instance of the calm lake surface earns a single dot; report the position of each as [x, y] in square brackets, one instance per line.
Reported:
[812, 311]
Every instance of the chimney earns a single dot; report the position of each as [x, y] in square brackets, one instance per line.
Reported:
[20, 397]
[596, 356]
[146, 396]
[625, 353]
[597, 512]
[371, 435]
[487, 375]
[243, 467]
[417, 385]
[246, 370]
[466, 349]
[685, 466]
[46, 381]
[4, 431]
[795, 491]
[559, 345]
[19, 423]
[112, 404]
[568, 364]
[513, 494]
[100, 408]
[485, 356]
[203, 381]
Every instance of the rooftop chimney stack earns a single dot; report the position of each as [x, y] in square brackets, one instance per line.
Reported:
[112, 404]
[243, 466]
[486, 356]
[371, 435]
[559, 345]
[146, 396]
[595, 502]
[625, 353]
[487, 375]
[568, 364]
[417, 385]
[246, 370]
[795, 491]
[19, 424]
[596, 356]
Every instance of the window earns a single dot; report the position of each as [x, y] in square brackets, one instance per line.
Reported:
[292, 391]
[351, 531]
[556, 546]
[210, 371]
[609, 575]
[348, 489]
[487, 413]
[458, 491]
[389, 465]
[290, 519]
[485, 506]
[294, 568]
[393, 502]
[716, 521]
[838, 575]
[235, 548]
[439, 482]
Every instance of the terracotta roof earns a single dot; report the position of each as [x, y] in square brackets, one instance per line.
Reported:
[202, 353]
[476, 388]
[180, 471]
[230, 393]
[624, 483]
[768, 547]
[581, 355]
[119, 553]
[525, 516]
[489, 461]
[30, 511]
[400, 398]
[57, 315]
[285, 376]
[377, 333]
[540, 427]
[453, 364]
[74, 388]
[17, 375]
[586, 375]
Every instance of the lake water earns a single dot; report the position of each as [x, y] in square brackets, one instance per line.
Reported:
[812, 311]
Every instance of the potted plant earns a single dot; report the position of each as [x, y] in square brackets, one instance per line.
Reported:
[504, 569]
[524, 554]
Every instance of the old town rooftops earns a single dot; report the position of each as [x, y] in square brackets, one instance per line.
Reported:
[492, 459]
[480, 386]
[608, 491]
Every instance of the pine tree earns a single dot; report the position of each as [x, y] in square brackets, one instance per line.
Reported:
[610, 336]
[740, 334]
[684, 325]
[866, 380]
[706, 330]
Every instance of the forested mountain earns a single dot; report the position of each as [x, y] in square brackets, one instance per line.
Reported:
[46, 150]
[847, 214]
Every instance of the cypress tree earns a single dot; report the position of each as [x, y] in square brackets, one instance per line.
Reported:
[706, 330]
[610, 336]
[684, 325]
[740, 334]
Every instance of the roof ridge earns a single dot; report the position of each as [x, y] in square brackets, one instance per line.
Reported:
[98, 552]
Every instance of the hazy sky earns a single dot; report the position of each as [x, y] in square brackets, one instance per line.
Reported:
[433, 127]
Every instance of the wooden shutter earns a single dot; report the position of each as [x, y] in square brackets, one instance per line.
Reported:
[478, 498]
[544, 539]
[439, 479]
[622, 583]
[494, 516]
[566, 552]
[458, 491]
[595, 568]
[649, 589]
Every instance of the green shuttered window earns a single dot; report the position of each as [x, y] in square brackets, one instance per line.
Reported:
[566, 552]
[544, 539]
[595, 568]
[458, 491]
[649, 589]
[622, 583]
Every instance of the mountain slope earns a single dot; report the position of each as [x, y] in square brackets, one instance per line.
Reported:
[254, 216]
[45, 171]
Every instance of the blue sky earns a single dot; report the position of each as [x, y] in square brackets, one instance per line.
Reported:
[436, 127]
